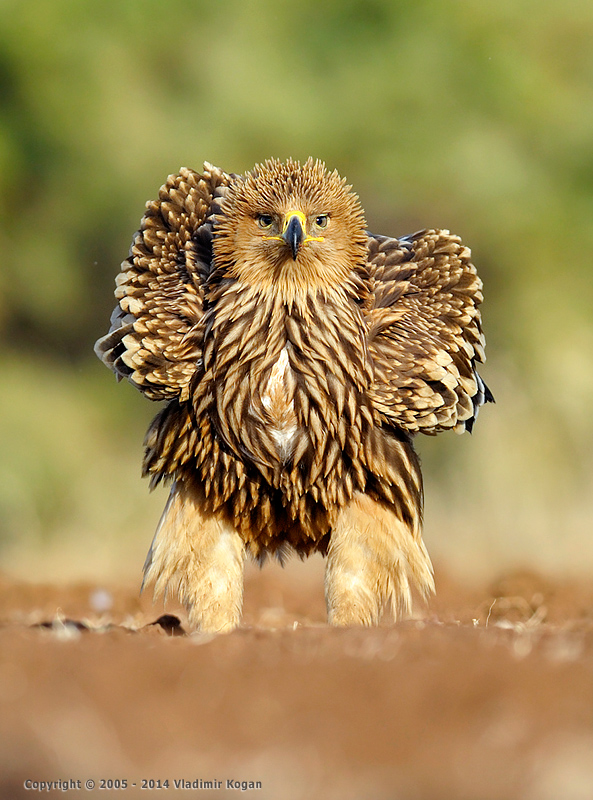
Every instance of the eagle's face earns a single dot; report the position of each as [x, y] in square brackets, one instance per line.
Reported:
[287, 227]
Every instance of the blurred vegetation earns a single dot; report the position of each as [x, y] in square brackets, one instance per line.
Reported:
[473, 116]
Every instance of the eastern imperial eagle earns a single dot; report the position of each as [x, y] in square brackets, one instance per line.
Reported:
[298, 355]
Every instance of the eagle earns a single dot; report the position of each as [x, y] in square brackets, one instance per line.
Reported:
[297, 356]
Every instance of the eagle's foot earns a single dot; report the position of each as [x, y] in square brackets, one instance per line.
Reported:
[372, 558]
[199, 558]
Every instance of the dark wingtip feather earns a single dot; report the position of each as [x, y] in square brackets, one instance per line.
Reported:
[483, 395]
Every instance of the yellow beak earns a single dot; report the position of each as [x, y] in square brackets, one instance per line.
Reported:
[293, 231]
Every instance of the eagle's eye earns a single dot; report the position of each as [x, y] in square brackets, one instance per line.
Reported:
[322, 220]
[265, 220]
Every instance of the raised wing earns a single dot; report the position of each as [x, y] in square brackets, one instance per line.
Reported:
[424, 332]
[156, 328]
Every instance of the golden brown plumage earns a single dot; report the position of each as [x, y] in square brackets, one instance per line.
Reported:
[299, 354]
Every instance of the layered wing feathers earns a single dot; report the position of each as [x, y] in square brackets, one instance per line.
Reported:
[424, 332]
[155, 337]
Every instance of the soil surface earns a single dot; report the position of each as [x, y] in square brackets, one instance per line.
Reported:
[486, 693]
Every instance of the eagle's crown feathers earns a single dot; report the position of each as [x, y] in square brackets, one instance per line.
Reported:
[251, 242]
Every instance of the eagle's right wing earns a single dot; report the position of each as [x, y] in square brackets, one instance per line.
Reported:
[155, 338]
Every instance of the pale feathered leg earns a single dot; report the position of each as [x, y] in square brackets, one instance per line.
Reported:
[373, 557]
[200, 558]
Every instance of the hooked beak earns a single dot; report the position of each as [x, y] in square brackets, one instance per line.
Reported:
[294, 232]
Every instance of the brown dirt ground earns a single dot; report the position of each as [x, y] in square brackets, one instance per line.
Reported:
[487, 693]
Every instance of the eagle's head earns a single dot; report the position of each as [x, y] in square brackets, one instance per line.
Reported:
[290, 227]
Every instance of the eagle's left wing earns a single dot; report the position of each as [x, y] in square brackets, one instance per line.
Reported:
[424, 332]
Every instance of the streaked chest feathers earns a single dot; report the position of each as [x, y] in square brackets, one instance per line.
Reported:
[278, 401]
[286, 380]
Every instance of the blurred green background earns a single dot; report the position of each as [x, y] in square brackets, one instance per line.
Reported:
[467, 115]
